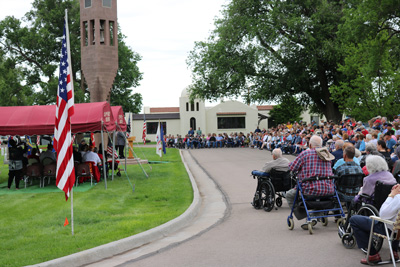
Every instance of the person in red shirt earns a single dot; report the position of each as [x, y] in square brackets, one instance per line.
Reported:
[364, 131]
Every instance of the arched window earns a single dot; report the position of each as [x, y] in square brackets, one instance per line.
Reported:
[197, 106]
[187, 106]
[193, 123]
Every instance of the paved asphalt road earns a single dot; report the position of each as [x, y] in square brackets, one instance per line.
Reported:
[249, 237]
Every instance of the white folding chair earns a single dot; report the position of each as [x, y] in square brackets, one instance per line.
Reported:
[395, 235]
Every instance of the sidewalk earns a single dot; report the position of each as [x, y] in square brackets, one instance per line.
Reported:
[207, 210]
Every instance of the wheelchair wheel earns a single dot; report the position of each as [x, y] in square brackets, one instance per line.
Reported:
[310, 230]
[368, 210]
[341, 222]
[256, 201]
[278, 202]
[348, 240]
[290, 223]
[324, 221]
[267, 196]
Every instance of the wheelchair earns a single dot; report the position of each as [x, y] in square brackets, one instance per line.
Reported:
[269, 185]
[314, 207]
[365, 206]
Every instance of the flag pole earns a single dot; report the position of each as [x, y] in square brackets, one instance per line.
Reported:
[72, 210]
[69, 60]
[161, 137]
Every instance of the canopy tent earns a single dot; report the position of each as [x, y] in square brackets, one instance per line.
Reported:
[40, 120]
[119, 117]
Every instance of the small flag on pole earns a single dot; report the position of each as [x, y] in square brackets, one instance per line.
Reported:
[144, 129]
[64, 110]
[160, 146]
[66, 222]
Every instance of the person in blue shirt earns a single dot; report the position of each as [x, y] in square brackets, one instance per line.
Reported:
[390, 142]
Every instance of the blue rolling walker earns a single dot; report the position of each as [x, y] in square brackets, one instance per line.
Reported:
[314, 207]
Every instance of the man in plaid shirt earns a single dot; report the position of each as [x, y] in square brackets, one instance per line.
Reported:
[349, 167]
[308, 164]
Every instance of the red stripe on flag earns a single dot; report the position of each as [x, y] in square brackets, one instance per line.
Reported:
[64, 110]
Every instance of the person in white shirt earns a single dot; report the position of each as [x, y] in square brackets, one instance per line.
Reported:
[91, 156]
[362, 225]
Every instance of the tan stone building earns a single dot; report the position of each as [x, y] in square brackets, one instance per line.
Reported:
[99, 46]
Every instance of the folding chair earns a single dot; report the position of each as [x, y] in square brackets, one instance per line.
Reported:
[49, 171]
[395, 235]
[34, 171]
[83, 170]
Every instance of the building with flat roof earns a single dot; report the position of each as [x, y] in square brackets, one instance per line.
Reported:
[226, 117]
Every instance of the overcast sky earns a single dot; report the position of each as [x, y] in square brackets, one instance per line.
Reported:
[162, 32]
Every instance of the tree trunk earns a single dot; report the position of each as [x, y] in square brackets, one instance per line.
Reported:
[332, 112]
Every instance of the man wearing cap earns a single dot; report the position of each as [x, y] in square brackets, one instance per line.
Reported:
[309, 164]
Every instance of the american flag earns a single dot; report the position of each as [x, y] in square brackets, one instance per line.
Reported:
[144, 129]
[110, 150]
[65, 109]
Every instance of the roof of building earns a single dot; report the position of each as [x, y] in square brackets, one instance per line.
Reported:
[164, 110]
[231, 113]
[161, 116]
[265, 107]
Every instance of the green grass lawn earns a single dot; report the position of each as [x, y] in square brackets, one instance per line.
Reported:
[31, 224]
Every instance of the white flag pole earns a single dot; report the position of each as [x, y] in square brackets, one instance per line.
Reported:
[72, 84]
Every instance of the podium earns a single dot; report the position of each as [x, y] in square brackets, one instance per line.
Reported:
[130, 144]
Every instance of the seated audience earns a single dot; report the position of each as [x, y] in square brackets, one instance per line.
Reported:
[48, 154]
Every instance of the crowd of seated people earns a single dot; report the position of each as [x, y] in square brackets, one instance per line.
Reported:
[293, 138]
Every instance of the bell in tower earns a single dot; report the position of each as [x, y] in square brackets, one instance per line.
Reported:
[99, 46]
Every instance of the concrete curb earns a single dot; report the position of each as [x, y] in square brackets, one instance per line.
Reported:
[117, 247]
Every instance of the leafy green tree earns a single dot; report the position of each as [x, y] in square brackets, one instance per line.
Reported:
[12, 90]
[35, 45]
[274, 47]
[289, 109]
[371, 40]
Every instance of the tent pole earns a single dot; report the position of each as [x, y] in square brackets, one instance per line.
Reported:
[104, 157]
[125, 150]
[113, 158]
[134, 154]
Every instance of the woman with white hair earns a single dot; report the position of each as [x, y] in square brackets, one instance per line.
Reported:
[378, 171]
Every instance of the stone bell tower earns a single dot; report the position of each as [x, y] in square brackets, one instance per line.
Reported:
[99, 46]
